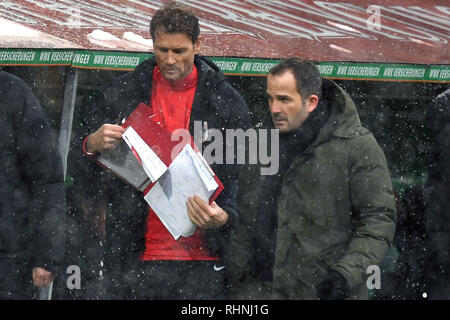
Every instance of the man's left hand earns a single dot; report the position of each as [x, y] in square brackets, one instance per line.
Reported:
[204, 215]
[334, 287]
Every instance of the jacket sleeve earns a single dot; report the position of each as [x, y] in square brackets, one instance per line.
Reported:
[373, 210]
[41, 166]
[241, 280]
[237, 118]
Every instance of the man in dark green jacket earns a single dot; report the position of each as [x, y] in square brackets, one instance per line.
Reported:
[312, 230]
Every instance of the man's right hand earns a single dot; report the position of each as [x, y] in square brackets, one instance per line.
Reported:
[106, 137]
[41, 277]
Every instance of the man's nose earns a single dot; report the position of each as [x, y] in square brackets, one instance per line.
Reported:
[170, 58]
[274, 107]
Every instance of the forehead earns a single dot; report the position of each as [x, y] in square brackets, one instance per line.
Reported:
[169, 40]
[283, 83]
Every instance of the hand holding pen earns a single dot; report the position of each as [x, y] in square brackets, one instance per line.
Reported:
[105, 138]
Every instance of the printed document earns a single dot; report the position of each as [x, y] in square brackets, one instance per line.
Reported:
[188, 175]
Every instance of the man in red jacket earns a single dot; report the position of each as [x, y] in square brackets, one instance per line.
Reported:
[180, 87]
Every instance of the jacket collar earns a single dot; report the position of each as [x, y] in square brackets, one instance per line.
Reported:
[209, 75]
[187, 82]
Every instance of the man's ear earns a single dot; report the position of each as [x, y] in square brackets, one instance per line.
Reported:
[311, 102]
[198, 45]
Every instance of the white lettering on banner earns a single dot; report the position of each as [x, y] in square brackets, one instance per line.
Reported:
[325, 69]
[262, 67]
[45, 56]
[99, 59]
[246, 66]
[227, 65]
[388, 72]
[81, 58]
[409, 73]
[17, 55]
[257, 66]
[342, 70]
[62, 56]
[406, 72]
[445, 74]
[56, 56]
[363, 71]
[434, 73]
[122, 61]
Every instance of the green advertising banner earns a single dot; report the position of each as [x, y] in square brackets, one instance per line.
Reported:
[374, 71]
[127, 61]
[35, 57]
[108, 60]
[245, 66]
[344, 70]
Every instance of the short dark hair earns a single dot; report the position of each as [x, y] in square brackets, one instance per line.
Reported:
[306, 75]
[176, 18]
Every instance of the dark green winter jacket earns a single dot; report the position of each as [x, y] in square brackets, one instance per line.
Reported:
[336, 211]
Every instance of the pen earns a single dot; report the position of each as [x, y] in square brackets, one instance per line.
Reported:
[205, 131]
[118, 122]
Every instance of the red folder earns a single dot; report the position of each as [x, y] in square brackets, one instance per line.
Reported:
[145, 123]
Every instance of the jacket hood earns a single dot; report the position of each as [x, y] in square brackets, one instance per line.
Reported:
[344, 120]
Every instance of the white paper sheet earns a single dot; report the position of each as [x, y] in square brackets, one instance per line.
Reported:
[187, 176]
[152, 164]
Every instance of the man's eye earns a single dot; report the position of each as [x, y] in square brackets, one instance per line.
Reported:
[179, 51]
[163, 49]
